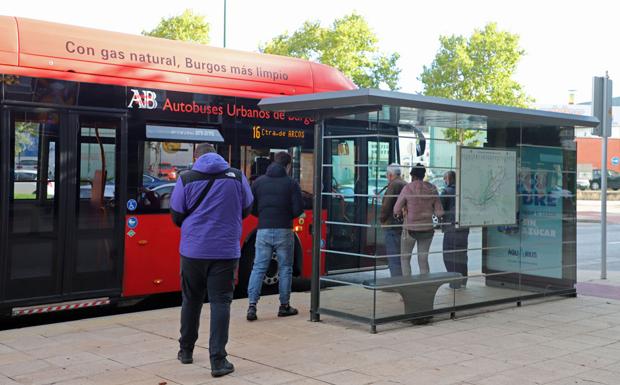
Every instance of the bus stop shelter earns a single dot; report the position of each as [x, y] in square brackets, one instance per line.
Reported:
[515, 204]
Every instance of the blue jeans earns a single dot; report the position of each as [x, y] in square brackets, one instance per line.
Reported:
[392, 247]
[268, 242]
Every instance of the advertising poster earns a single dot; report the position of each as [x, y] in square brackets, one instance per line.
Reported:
[534, 246]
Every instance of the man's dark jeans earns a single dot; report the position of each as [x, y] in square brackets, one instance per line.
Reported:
[455, 253]
[392, 247]
[217, 278]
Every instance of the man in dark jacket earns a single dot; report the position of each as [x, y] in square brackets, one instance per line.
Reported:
[454, 239]
[277, 201]
[392, 233]
[208, 203]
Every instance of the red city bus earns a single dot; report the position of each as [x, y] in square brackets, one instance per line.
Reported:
[95, 128]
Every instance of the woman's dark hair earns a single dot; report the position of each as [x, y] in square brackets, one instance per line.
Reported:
[282, 158]
[418, 171]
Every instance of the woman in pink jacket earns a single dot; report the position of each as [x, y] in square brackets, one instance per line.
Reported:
[419, 200]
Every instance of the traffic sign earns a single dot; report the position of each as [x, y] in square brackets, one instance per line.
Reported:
[602, 105]
[132, 222]
[615, 161]
[132, 204]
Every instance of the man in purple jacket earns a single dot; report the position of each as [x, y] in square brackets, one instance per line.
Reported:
[208, 203]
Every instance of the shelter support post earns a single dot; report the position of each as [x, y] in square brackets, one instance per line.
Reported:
[604, 136]
[315, 289]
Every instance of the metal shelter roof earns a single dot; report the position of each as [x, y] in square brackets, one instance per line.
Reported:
[341, 103]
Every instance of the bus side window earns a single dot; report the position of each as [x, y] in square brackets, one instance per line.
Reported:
[163, 162]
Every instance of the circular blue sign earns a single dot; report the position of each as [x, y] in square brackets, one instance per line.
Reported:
[132, 222]
[132, 204]
[615, 160]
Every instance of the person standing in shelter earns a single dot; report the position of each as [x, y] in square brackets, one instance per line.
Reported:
[454, 239]
[393, 233]
[277, 201]
[208, 203]
[419, 200]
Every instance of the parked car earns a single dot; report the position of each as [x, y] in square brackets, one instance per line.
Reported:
[345, 192]
[583, 183]
[149, 181]
[27, 164]
[86, 191]
[613, 180]
[167, 171]
[165, 188]
[25, 175]
[164, 191]
[26, 184]
[181, 168]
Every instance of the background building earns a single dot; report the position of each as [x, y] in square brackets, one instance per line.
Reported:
[588, 145]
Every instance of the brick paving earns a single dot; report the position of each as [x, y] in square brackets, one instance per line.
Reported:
[555, 342]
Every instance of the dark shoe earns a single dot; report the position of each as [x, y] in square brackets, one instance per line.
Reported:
[222, 368]
[286, 311]
[251, 316]
[185, 356]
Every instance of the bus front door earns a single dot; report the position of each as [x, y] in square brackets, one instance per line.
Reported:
[60, 233]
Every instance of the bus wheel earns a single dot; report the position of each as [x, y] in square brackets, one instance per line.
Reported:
[272, 275]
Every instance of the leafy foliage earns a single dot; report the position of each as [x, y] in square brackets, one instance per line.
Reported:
[188, 26]
[478, 69]
[25, 132]
[349, 45]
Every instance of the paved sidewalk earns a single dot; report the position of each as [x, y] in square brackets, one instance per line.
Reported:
[595, 217]
[559, 342]
[613, 207]
[590, 284]
[590, 211]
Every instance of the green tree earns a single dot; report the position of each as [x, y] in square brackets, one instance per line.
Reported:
[25, 132]
[349, 45]
[188, 26]
[478, 69]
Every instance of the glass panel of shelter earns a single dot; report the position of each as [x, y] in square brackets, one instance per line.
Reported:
[486, 282]
[548, 228]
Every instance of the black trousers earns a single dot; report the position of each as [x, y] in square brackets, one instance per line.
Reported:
[199, 277]
[455, 253]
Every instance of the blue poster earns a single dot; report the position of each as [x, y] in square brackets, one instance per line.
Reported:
[534, 247]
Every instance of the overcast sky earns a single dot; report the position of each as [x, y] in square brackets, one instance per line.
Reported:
[566, 42]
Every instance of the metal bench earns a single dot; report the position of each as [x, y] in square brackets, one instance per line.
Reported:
[418, 291]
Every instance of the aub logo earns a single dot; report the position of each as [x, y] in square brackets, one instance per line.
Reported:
[145, 99]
